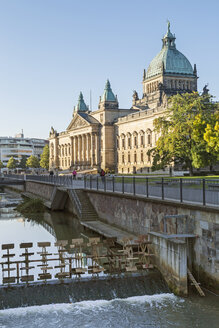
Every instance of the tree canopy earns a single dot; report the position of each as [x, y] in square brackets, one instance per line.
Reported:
[1, 165]
[44, 159]
[33, 162]
[12, 163]
[211, 135]
[182, 131]
[23, 162]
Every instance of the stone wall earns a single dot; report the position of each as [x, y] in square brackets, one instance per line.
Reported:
[171, 259]
[41, 189]
[141, 215]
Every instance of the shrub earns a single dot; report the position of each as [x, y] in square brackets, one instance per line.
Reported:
[31, 206]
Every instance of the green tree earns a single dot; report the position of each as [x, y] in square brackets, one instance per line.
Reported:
[23, 162]
[12, 163]
[211, 135]
[1, 166]
[33, 162]
[44, 159]
[181, 132]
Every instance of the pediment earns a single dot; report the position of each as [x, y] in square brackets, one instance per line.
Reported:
[77, 122]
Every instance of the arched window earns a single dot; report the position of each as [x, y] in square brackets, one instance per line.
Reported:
[142, 138]
[129, 140]
[135, 139]
[149, 137]
[123, 141]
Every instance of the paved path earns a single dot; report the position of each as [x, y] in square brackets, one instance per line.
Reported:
[108, 231]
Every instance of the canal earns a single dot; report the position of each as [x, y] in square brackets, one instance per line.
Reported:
[117, 302]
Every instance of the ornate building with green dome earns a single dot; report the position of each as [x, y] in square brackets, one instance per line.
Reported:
[119, 139]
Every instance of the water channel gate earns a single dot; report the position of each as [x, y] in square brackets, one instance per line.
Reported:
[93, 257]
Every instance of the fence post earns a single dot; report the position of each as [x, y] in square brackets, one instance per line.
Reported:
[113, 184]
[203, 191]
[90, 182]
[85, 180]
[147, 194]
[97, 183]
[104, 179]
[123, 184]
[133, 185]
[162, 189]
[181, 189]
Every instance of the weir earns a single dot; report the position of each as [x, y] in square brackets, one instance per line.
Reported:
[74, 259]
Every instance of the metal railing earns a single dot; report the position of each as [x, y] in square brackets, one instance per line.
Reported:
[193, 191]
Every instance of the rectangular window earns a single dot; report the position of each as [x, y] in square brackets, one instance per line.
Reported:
[142, 157]
[149, 158]
[123, 143]
[135, 158]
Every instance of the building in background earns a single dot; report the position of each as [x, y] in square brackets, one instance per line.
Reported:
[19, 146]
[119, 139]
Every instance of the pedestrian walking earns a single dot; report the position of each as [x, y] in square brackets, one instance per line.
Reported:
[74, 173]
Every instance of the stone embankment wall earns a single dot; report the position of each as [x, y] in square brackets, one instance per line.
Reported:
[41, 189]
[171, 259]
[141, 216]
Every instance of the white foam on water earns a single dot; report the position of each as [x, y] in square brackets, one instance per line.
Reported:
[151, 300]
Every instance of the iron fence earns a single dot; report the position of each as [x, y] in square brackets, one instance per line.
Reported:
[193, 191]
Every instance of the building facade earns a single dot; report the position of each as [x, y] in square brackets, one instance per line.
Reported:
[119, 139]
[19, 146]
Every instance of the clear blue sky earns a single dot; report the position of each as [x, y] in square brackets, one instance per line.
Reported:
[50, 50]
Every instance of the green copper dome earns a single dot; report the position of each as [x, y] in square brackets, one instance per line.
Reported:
[169, 59]
[81, 106]
[108, 94]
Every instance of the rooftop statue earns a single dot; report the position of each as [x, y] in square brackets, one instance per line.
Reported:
[135, 95]
[205, 90]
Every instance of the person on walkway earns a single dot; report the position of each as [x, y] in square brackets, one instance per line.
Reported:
[102, 174]
[74, 173]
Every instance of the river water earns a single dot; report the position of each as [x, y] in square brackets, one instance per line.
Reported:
[131, 302]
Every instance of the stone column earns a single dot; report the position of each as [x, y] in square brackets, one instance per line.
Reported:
[72, 151]
[89, 149]
[75, 150]
[79, 150]
[85, 149]
[92, 149]
[82, 149]
[97, 148]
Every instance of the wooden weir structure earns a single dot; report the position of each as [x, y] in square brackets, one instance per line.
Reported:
[93, 257]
